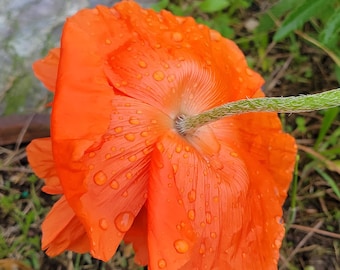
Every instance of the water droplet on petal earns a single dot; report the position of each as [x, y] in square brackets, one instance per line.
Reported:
[181, 246]
[158, 75]
[233, 154]
[100, 178]
[144, 134]
[192, 196]
[160, 147]
[178, 148]
[134, 121]
[124, 221]
[142, 64]
[177, 36]
[213, 235]
[118, 129]
[161, 263]
[130, 137]
[103, 224]
[208, 217]
[202, 249]
[114, 184]
[191, 214]
[132, 158]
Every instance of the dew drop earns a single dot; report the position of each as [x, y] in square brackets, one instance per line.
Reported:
[128, 175]
[171, 78]
[134, 121]
[233, 154]
[191, 214]
[213, 235]
[132, 158]
[103, 224]
[161, 263]
[202, 249]
[108, 41]
[175, 167]
[158, 75]
[177, 36]
[107, 156]
[208, 217]
[125, 194]
[124, 221]
[114, 185]
[92, 154]
[100, 178]
[160, 147]
[130, 137]
[144, 134]
[192, 196]
[142, 64]
[181, 246]
[178, 148]
[118, 129]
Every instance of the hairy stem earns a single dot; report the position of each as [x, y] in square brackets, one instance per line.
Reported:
[294, 104]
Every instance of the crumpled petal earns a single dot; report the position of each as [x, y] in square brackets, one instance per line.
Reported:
[39, 154]
[46, 69]
[62, 231]
[137, 235]
[109, 178]
[177, 65]
[230, 198]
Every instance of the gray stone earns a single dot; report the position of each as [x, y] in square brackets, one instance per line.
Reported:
[28, 29]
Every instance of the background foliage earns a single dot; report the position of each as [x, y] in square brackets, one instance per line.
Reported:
[295, 46]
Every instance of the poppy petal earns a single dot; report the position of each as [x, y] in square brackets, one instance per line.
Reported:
[225, 195]
[170, 233]
[39, 155]
[137, 235]
[46, 69]
[177, 59]
[87, 41]
[63, 231]
[108, 186]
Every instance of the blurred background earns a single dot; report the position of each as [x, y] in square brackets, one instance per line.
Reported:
[295, 45]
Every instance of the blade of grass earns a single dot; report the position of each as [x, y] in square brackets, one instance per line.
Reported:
[298, 17]
[329, 181]
[327, 122]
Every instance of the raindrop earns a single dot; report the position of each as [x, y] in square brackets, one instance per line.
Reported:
[103, 224]
[100, 178]
[192, 196]
[130, 137]
[202, 248]
[208, 217]
[142, 64]
[161, 263]
[191, 214]
[213, 235]
[114, 184]
[124, 221]
[177, 36]
[118, 129]
[132, 158]
[181, 246]
[134, 121]
[158, 75]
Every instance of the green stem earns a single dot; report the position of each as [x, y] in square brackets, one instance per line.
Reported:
[294, 104]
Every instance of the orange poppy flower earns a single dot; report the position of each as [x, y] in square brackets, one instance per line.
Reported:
[208, 199]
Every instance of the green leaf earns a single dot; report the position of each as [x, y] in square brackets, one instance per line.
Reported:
[298, 17]
[211, 6]
[330, 33]
[266, 20]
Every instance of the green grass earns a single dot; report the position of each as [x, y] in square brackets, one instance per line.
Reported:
[295, 47]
